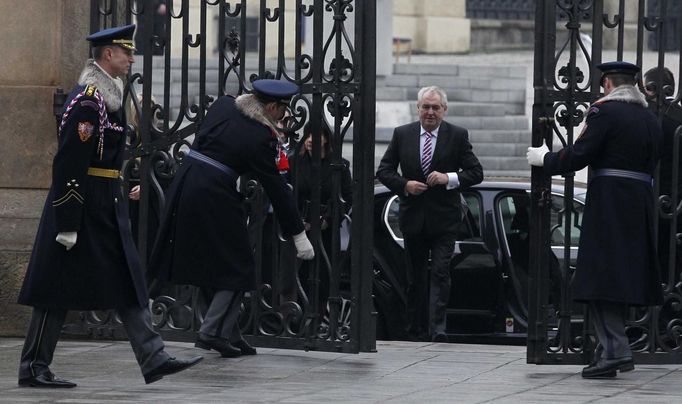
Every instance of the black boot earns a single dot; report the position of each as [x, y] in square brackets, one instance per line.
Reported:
[607, 368]
[223, 346]
[169, 367]
[46, 380]
[244, 347]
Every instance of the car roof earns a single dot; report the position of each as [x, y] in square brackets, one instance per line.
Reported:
[515, 183]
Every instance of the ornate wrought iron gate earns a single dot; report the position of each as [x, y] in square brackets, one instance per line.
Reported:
[566, 82]
[200, 53]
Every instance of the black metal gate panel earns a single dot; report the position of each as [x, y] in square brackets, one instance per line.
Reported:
[569, 44]
[195, 51]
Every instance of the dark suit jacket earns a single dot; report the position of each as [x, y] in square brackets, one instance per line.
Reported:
[436, 210]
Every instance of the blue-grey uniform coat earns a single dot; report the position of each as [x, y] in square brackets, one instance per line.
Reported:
[203, 238]
[617, 258]
[102, 270]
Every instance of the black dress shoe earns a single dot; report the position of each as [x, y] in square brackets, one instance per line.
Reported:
[47, 380]
[244, 347]
[225, 349]
[607, 368]
[440, 337]
[169, 367]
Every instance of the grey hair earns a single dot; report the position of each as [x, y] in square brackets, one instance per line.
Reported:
[432, 89]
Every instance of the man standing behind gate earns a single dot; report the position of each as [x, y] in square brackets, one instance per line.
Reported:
[84, 257]
[436, 161]
[617, 262]
[203, 238]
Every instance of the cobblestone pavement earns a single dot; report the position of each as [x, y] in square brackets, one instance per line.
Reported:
[400, 372]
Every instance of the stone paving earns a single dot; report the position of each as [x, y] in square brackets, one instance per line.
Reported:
[400, 372]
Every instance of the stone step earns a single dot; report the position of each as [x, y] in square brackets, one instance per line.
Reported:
[503, 163]
[510, 122]
[461, 70]
[447, 81]
[500, 136]
[499, 149]
[455, 94]
[501, 174]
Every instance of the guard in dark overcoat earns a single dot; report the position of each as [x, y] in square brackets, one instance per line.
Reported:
[617, 262]
[84, 257]
[203, 238]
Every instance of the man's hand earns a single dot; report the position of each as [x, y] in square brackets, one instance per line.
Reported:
[415, 187]
[436, 178]
[134, 193]
[67, 239]
[304, 250]
[536, 155]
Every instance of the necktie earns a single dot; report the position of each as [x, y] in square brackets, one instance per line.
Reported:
[426, 153]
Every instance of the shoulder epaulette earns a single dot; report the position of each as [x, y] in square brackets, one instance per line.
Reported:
[90, 90]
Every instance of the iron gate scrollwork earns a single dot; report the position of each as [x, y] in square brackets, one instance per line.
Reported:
[180, 77]
[566, 82]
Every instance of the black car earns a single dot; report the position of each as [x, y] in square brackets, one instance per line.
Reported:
[490, 264]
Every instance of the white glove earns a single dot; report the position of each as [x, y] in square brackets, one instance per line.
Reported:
[67, 239]
[304, 250]
[536, 155]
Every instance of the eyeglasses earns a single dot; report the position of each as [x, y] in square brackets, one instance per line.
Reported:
[434, 108]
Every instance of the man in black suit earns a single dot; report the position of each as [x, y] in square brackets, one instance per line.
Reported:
[436, 161]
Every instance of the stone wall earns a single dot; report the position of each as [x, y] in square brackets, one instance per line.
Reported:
[434, 26]
[44, 48]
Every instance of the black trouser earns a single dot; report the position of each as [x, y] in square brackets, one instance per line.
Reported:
[608, 319]
[428, 315]
[46, 326]
[221, 317]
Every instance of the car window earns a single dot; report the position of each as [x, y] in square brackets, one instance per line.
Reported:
[515, 213]
[474, 218]
[514, 210]
[391, 217]
[560, 227]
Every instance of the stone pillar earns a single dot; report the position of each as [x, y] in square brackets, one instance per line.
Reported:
[435, 26]
[384, 37]
[44, 48]
[630, 12]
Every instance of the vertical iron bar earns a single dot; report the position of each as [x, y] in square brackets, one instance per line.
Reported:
[280, 43]
[202, 65]
[144, 126]
[640, 33]
[621, 28]
[540, 183]
[242, 45]
[298, 41]
[262, 23]
[335, 160]
[364, 314]
[316, 126]
[222, 52]
[94, 16]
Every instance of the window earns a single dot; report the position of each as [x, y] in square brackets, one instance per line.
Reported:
[558, 222]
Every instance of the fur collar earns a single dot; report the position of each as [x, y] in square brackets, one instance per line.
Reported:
[110, 88]
[250, 106]
[625, 93]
